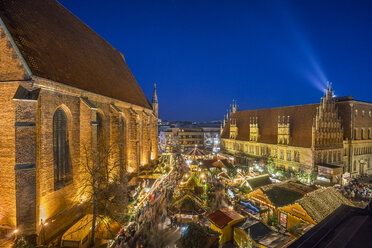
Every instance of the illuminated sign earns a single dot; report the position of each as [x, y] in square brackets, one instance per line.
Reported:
[283, 220]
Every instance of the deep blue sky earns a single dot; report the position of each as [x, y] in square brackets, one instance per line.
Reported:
[204, 54]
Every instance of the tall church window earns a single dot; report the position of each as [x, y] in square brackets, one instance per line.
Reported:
[61, 149]
[369, 133]
[100, 137]
[354, 167]
[355, 133]
[362, 133]
[281, 154]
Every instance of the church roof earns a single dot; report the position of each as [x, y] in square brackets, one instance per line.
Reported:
[301, 120]
[58, 46]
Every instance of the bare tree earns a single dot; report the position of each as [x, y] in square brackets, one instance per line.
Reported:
[103, 186]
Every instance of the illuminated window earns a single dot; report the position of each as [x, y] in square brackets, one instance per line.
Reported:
[61, 147]
[281, 154]
[289, 155]
[297, 156]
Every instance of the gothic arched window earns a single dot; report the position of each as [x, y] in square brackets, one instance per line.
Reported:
[62, 161]
[100, 136]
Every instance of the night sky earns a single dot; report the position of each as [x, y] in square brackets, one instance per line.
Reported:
[204, 54]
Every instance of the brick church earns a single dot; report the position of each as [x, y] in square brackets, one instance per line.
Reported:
[62, 87]
[328, 138]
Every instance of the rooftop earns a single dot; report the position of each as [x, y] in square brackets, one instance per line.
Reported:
[347, 227]
[262, 234]
[58, 46]
[322, 202]
[222, 217]
[259, 181]
[287, 192]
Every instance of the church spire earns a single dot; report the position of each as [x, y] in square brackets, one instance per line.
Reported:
[155, 101]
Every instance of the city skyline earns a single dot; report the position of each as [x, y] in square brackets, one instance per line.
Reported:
[214, 52]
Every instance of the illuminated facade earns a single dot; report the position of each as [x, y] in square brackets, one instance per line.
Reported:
[335, 132]
[63, 90]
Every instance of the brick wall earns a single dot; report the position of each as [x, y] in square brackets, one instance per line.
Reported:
[36, 197]
[7, 154]
[11, 67]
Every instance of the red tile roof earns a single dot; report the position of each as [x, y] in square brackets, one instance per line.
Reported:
[301, 120]
[56, 45]
[222, 217]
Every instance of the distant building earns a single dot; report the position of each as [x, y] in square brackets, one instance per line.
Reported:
[212, 138]
[188, 138]
[335, 133]
[65, 94]
[205, 136]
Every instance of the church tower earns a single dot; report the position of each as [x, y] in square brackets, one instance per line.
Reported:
[155, 104]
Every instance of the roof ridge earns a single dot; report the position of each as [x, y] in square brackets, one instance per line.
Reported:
[290, 106]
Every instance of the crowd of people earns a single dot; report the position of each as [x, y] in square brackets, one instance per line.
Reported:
[141, 218]
[357, 191]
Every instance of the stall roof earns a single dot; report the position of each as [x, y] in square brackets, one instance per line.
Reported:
[262, 234]
[256, 182]
[222, 217]
[346, 227]
[286, 192]
[322, 202]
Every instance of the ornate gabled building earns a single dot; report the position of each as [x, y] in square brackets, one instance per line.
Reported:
[327, 136]
[63, 88]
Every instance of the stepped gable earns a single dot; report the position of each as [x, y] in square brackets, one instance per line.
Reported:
[58, 46]
[301, 120]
